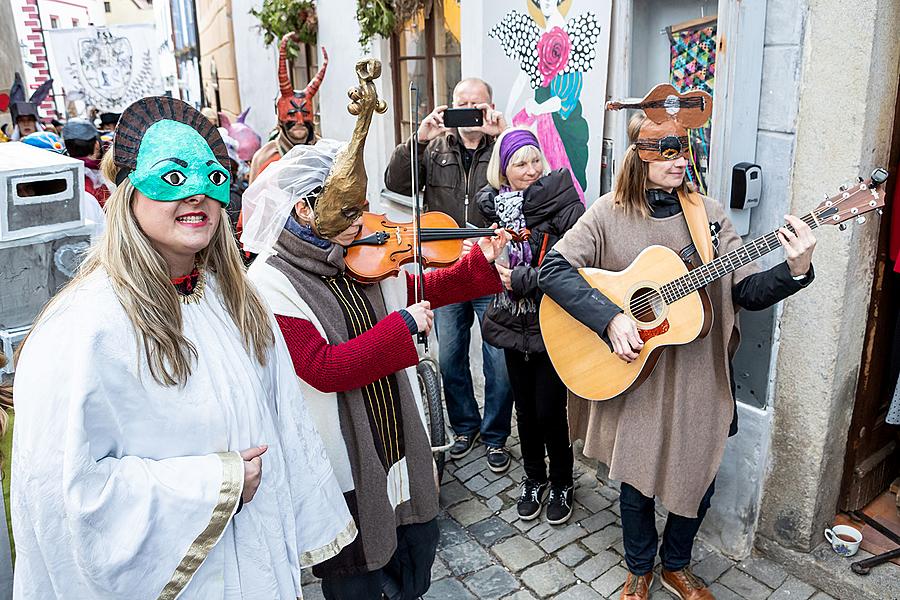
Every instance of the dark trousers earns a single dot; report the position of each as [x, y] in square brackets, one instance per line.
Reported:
[540, 399]
[453, 323]
[640, 536]
[406, 576]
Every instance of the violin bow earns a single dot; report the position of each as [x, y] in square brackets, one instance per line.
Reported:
[419, 277]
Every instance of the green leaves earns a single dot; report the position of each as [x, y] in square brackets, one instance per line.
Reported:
[280, 17]
[376, 17]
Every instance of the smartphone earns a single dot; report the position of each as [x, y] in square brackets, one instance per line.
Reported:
[463, 117]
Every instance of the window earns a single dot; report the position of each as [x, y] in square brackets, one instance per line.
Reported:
[107, 8]
[54, 22]
[303, 69]
[426, 51]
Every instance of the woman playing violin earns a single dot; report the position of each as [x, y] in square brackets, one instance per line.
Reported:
[353, 347]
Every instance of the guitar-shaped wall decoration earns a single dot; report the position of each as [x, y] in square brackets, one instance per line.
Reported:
[667, 301]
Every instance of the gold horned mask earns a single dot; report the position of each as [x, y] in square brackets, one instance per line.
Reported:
[343, 196]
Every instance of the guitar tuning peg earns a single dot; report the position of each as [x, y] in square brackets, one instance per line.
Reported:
[842, 226]
[860, 219]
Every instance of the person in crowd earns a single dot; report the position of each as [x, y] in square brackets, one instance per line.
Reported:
[354, 349]
[162, 446]
[295, 113]
[664, 438]
[82, 141]
[452, 168]
[521, 196]
[24, 112]
[108, 121]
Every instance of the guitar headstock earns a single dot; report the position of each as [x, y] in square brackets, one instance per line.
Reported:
[853, 201]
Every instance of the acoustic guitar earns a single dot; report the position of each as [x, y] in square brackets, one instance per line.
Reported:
[667, 301]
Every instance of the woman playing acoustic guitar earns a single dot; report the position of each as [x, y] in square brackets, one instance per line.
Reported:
[665, 437]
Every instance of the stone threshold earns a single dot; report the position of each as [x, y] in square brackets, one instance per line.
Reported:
[831, 573]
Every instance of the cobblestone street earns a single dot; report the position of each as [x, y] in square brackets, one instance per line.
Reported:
[486, 552]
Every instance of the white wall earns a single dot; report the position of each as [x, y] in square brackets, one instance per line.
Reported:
[257, 67]
[339, 33]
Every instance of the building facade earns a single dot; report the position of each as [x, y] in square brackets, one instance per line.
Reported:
[813, 373]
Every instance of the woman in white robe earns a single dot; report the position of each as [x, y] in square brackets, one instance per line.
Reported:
[162, 448]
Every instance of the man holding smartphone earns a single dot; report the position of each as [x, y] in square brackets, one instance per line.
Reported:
[454, 147]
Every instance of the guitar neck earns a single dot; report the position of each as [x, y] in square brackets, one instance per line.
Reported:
[705, 274]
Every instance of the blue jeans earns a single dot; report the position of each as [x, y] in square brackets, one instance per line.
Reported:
[640, 537]
[454, 322]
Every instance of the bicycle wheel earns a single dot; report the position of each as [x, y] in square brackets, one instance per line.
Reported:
[430, 383]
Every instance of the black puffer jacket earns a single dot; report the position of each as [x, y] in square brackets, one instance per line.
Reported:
[551, 206]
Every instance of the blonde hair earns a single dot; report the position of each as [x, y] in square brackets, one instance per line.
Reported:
[630, 189]
[6, 399]
[498, 179]
[140, 280]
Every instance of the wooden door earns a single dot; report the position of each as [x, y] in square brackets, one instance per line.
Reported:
[872, 458]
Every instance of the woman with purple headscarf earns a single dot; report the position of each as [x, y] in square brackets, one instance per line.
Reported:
[522, 197]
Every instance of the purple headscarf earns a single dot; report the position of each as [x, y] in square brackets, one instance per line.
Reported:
[512, 141]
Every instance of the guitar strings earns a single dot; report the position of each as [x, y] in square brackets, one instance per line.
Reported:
[810, 219]
[645, 303]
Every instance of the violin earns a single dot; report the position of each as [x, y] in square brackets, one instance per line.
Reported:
[382, 246]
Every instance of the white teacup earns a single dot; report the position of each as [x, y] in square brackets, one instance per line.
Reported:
[840, 537]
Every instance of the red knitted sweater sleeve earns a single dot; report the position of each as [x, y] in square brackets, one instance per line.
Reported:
[380, 351]
[467, 279]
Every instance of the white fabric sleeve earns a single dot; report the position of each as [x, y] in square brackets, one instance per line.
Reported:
[85, 512]
[324, 523]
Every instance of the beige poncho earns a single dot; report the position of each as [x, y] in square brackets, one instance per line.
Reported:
[667, 436]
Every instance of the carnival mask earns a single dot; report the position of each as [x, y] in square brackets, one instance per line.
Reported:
[175, 162]
[169, 152]
[661, 141]
[663, 135]
[343, 196]
[296, 105]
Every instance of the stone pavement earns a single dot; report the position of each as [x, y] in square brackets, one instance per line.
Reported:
[486, 552]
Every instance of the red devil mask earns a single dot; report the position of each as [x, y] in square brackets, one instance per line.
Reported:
[296, 106]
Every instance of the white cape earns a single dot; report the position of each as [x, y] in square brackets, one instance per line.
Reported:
[122, 488]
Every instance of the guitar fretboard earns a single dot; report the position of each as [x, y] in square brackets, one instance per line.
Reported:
[737, 258]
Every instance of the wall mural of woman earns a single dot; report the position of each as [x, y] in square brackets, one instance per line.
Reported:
[553, 54]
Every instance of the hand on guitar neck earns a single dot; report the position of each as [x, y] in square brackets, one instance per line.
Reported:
[798, 242]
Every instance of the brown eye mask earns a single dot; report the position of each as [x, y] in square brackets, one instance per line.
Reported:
[659, 142]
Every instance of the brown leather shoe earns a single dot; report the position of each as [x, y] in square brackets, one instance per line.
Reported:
[685, 585]
[637, 587]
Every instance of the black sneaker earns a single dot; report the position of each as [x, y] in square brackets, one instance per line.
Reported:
[498, 459]
[559, 504]
[463, 445]
[531, 498]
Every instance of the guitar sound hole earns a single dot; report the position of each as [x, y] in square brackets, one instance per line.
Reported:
[646, 304]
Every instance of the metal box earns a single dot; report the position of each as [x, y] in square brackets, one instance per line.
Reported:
[40, 191]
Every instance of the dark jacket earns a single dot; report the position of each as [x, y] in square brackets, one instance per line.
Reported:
[448, 188]
[551, 206]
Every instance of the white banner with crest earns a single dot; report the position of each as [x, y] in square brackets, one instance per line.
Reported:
[107, 67]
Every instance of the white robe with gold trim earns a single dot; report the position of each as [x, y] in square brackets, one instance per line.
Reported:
[122, 488]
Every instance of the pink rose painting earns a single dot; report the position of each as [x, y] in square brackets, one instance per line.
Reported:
[553, 54]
